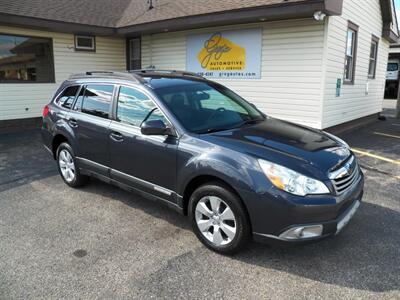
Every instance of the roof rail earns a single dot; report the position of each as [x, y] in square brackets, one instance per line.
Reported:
[166, 72]
[104, 74]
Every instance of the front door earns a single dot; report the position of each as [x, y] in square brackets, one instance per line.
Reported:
[144, 162]
[90, 122]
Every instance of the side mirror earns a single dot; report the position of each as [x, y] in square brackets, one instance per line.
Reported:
[155, 127]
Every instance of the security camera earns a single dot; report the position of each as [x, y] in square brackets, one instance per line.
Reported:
[319, 16]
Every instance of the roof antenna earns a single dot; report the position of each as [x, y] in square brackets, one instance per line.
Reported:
[150, 3]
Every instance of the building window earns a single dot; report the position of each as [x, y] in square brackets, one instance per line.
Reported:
[26, 59]
[134, 54]
[351, 54]
[85, 43]
[373, 57]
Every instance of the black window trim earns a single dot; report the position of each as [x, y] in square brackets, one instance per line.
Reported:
[355, 28]
[84, 49]
[53, 74]
[83, 87]
[138, 88]
[374, 39]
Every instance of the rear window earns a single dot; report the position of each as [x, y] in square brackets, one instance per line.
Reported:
[97, 99]
[67, 97]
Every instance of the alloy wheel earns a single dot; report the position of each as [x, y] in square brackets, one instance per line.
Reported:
[215, 220]
[67, 165]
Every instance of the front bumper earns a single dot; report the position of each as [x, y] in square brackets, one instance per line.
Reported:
[328, 228]
[276, 217]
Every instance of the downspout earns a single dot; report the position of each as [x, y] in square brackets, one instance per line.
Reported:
[324, 70]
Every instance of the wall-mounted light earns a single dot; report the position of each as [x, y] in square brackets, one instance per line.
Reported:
[319, 16]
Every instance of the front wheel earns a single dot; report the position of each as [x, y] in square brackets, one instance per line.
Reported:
[219, 218]
[68, 168]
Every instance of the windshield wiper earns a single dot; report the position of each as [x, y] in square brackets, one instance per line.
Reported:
[245, 122]
[211, 130]
[249, 122]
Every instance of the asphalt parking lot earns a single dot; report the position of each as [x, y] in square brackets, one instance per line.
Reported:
[102, 242]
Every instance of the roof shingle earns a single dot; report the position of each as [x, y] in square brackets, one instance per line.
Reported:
[121, 13]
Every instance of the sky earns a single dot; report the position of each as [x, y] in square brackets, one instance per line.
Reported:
[397, 4]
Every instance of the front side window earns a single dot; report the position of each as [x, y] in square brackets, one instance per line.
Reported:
[26, 59]
[351, 45]
[203, 107]
[97, 99]
[134, 107]
[373, 57]
[67, 97]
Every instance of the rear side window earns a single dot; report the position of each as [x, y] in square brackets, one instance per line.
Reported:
[97, 99]
[67, 97]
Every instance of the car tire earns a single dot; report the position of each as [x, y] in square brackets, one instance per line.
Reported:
[219, 218]
[68, 167]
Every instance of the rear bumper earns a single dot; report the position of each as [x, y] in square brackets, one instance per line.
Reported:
[273, 216]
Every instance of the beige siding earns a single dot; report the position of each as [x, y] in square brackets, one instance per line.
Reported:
[292, 55]
[27, 100]
[354, 102]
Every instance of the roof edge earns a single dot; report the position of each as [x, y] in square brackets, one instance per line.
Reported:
[387, 18]
[283, 11]
[54, 25]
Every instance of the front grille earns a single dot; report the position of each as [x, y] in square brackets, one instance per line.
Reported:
[344, 178]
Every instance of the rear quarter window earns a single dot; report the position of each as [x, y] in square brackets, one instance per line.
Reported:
[67, 97]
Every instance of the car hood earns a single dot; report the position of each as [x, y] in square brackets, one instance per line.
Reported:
[285, 143]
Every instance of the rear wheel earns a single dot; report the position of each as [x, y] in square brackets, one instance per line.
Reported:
[219, 219]
[67, 166]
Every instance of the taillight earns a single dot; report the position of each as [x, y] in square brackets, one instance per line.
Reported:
[45, 111]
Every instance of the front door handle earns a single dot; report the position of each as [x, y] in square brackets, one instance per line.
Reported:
[116, 136]
[73, 123]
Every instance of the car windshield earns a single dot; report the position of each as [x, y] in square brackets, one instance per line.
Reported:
[392, 67]
[204, 107]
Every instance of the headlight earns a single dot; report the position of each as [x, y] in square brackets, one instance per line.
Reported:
[291, 181]
[339, 140]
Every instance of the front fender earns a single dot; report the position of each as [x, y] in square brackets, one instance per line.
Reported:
[238, 170]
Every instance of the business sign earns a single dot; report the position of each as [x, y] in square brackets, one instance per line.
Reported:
[225, 54]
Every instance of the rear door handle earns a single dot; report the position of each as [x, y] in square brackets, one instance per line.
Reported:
[73, 123]
[116, 136]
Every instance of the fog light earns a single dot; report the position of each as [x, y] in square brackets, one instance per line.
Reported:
[302, 232]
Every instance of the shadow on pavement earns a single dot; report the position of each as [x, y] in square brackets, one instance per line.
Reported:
[23, 159]
[364, 256]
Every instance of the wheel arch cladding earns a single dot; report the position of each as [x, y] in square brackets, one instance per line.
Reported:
[57, 141]
[200, 180]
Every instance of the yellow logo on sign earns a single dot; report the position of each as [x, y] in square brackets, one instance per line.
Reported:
[220, 54]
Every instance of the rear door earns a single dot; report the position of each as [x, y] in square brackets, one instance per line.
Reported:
[90, 121]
